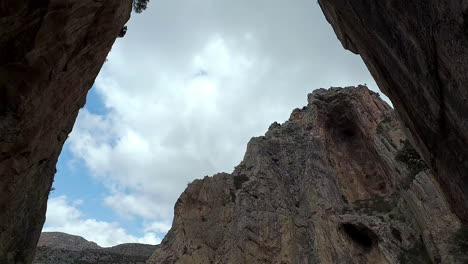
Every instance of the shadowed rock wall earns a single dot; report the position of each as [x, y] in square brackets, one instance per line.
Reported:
[417, 51]
[50, 54]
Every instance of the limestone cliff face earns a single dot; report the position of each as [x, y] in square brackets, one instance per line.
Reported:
[417, 52]
[51, 52]
[336, 183]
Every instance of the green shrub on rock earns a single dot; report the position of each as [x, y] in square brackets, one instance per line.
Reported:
[239, 180]
[459, 243]
[140, 5]
[411, 158]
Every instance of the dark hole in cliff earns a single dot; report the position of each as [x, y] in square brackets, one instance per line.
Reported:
[341, 125]
[465, 21]
[396, 234]
[347, 132]
[361, 235]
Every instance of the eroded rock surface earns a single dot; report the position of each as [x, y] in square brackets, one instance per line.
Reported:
[50, 54]
[417, 53]
[62, 248]
[337, 183]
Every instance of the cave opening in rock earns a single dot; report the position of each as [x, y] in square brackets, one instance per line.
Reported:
[341, 125]
[397, 234]
[347, 133]
[361, 235]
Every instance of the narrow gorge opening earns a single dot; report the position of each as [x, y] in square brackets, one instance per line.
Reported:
[169, 106]
[142, 137]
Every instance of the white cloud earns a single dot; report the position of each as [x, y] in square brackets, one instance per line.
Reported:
[157, 227]
[152, 144]
[138, 205]
[64, 216]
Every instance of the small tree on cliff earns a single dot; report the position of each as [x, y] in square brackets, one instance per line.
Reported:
[140, 5]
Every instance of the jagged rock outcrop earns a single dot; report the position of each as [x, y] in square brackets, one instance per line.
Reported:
[51, 52]
[337, 183]
[62, 248]
[417, 53]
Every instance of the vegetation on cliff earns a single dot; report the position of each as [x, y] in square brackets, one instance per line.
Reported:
[140, 5]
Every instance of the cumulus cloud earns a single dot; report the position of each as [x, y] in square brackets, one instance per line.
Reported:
[64, 216]
[191, 83]
[157, 227]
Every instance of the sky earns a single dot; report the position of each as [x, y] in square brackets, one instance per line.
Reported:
[178, 99]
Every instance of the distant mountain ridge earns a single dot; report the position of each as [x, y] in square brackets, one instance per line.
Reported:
[62, 248]
[58, 240]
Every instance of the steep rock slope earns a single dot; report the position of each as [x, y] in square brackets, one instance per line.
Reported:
[51, 52]
[62, 248]
[417, 53]
[337, 183]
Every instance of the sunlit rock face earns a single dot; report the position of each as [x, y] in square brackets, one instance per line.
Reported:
[51, 52]
[417, 53]
[336, 183]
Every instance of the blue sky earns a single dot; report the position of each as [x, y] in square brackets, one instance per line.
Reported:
[153, 122]
[73, 180]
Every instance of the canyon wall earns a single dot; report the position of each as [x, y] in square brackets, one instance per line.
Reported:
[417, 53]
[337, 183]
[330, 185]
[51, 53]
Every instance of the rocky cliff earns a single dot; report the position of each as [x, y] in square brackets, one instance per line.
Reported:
[417, 53]
[51, 52]
[336, 183]
[61, 248]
